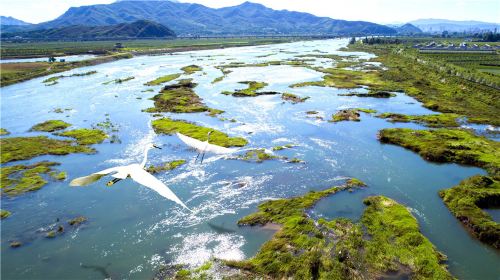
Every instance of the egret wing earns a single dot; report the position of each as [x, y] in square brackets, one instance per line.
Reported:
[204, 146]
[87, 180]
[211, 148]
[191, 142]
[144, 178]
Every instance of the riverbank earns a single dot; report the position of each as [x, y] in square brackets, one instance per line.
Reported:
[12, 73]
[439, 85]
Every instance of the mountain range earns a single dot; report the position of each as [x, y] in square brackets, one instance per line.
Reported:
[12, 21]
[137, 29]
[440, 25]
[195, 19]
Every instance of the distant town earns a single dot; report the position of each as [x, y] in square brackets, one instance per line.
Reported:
[462, 47]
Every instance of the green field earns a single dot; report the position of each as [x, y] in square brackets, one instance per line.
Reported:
[489, 63]
[40, 49]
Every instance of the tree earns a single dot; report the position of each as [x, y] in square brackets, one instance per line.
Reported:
[352, 41]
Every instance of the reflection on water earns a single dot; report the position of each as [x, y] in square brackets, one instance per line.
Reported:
[132, 231]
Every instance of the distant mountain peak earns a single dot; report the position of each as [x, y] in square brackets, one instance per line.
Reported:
[136, 29]
[7, 20]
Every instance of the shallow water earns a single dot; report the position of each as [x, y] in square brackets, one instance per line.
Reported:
[133, 231]
[67, 58]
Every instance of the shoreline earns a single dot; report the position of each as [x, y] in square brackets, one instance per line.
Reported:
[66, 66]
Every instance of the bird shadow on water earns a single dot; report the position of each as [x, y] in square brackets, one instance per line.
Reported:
[103, 270]
[220, 228]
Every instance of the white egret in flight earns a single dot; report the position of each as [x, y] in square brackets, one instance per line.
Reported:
[137, 173]
[203, 147]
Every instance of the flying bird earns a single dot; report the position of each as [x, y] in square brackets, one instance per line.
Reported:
[137, 173]
[203, 147]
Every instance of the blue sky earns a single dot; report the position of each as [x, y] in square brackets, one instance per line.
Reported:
[381, 11]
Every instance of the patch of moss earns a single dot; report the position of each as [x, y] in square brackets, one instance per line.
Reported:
[190, 69]
[15, 244]
[51, 234]
[342, 78]
[293, 98]
[60, 110]
[395, 240]
[281, 210]
[287, 146]
[19, 179]
[215, 112]
[375, 94]
[61, 176]
[180, 98]
[257, 155]
[251, 90]
[169, 126]
[364, 110]
[85, 136]
[436, 120]
[339, 249]
[4, 131]
[119, 80]
[218, 79]
[77, 221]
[21, 148]
[295, 160]
[4, 213]
[171, 165]
[465, 202]
[163, 79]
[448, 145]
[51, 126]
[55, 80]
[346, 115]
[183, 274]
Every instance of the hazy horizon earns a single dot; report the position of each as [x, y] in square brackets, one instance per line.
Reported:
[379, 11]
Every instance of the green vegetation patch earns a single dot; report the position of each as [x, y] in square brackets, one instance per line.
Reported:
[257, 155]
[395, 240]
[4, 131]
[287, 146]
[18, 72]
[19, 179]
[190, 69]
[77, 221]
[21, 148]
[467, 199]
[374, 94]
[4, 214]
[293, 98]
[163, 79]
[448, 145]
[341, 249]
[342, 78]
[85, 136]
[169, 127]
[119, 80]
[55, 80]
[442, 86]
[171, 165]
[365, 110]
[51, 126]
[178, 98]
[346, 115]
[251, 90]
[435, 120]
